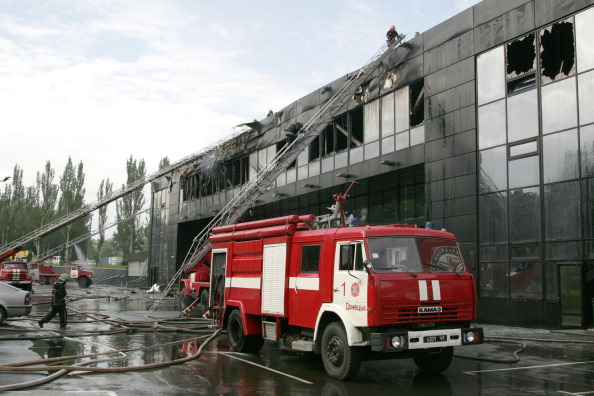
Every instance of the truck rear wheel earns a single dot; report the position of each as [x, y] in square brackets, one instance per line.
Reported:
[341, 361]
[42, 280]
[83, 281]
[238, 340]
[434, 361]
[53, 280]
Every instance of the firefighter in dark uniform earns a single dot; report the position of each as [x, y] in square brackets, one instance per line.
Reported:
[292, 131]
[392, 34]
[58, 303]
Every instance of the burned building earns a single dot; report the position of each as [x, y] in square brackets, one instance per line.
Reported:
[482, 125]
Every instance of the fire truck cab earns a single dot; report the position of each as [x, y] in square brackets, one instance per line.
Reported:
[347, 293]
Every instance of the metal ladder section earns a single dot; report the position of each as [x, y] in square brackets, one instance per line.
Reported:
[88, 235]
[88, 209]
[249, 193]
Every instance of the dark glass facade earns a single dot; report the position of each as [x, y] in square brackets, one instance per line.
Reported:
[483, 126]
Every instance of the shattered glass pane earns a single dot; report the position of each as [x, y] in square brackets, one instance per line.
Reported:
[559, 106]
[491, 123]
[560, 156]
[521, 56]
[522, 116]
[557, 53]
[490, 75]
[584, 30]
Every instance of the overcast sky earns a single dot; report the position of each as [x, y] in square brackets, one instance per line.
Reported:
[103, 80]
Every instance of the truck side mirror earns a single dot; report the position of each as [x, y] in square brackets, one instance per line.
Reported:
[368, 264]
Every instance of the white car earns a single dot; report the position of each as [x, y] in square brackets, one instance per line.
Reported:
[13, 302]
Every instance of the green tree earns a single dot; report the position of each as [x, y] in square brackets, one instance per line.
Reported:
[164, 163]
[105, 190]
[129, 235]
[12, 212]
[72, 189]
[48, 191]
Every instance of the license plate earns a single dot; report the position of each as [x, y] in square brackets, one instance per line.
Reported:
[437, 338]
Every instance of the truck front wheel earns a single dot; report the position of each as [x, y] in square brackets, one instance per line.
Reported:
[238, 340]
[341, 361]
[433, 362]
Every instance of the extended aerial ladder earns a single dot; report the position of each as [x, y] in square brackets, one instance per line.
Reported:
[250, 192]
[48, 228]
[52, 252]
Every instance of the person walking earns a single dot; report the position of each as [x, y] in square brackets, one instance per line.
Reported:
[58, 303]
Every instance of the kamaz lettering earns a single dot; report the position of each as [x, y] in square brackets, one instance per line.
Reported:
[429, 309]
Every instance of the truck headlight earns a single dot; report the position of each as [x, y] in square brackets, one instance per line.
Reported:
[472, 337]
[397, 341]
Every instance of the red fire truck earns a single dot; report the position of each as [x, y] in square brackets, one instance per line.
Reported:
[16, 274]
[347, 293]
[194, 289]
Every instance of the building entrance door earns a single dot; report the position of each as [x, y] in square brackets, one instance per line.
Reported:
[571, 294]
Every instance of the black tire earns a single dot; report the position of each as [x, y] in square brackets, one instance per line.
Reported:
[43, 280]
[2, 315]
[434, 361]
[341, 361]
[204, 298]
[238, 340]
[83, 281]
[184, 299]
[53, 280]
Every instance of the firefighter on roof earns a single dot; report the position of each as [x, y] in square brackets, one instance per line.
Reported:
[392, 34]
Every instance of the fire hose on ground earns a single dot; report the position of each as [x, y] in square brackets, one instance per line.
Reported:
[118, 326]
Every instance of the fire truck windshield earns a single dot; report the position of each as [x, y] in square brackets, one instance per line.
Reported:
[409, 254]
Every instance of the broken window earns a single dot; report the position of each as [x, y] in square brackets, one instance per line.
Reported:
[521, 63]
[356, 120]
[327, 140]
[557, 51]
[417, 102]
[314, 149]
[341, 130]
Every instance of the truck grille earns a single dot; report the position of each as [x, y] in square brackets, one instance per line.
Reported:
[393, 313]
